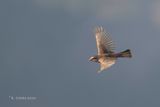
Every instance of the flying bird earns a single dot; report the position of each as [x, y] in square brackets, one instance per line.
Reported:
[106, 56]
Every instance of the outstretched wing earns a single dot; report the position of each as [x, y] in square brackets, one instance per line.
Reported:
[106, 62]
[104, 42]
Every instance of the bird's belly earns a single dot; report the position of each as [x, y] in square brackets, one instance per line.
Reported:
[107, 57]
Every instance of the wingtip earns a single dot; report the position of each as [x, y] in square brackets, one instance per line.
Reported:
[99, 29]
[99, 71]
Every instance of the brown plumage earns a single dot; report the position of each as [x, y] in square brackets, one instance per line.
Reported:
[106, 55]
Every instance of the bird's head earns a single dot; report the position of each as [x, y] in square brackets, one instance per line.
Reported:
[93, 58]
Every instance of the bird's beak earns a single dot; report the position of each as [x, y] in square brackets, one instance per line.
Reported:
[90, 58]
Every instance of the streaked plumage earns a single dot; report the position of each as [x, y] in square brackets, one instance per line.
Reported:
[106, 56]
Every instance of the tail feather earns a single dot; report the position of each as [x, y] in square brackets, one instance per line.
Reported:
[126, 53]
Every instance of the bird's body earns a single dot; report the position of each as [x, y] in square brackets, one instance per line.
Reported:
[106, 55]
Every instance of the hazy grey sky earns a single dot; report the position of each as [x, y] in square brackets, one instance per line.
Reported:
[45, 46]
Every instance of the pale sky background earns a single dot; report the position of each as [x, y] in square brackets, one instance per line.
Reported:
[45, 46]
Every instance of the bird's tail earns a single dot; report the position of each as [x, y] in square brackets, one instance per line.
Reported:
[126, 53]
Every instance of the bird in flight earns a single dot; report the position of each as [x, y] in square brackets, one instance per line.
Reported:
[106, 56]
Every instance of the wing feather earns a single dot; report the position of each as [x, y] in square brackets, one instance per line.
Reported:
[106, 62]
[104, 42]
